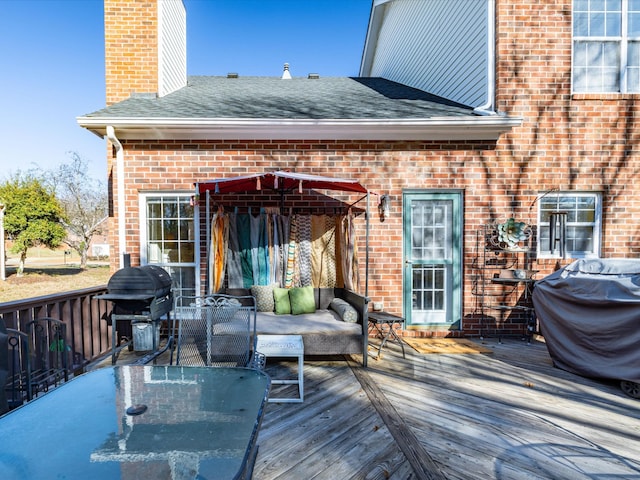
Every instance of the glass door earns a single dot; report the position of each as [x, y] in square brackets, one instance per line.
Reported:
[432, 231]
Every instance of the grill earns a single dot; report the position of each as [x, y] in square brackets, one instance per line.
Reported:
[141, 290]
[141, 295]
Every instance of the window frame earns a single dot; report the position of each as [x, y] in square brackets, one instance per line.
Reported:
[170, 265]
[596, 225]
[623, 41]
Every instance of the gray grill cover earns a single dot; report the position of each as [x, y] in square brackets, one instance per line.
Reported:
[589, 314]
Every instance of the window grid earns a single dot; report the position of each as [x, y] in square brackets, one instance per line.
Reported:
[606, 54]
[583, 216]
[429, 231]
[169, 241]
[428, 287]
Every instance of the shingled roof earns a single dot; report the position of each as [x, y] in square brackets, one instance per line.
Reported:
[269, 107]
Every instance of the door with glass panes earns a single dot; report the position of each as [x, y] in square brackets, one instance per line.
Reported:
[432, 273]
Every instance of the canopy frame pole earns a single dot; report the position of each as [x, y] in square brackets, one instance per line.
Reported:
[208, 240]
[196, 232]
[366, 253]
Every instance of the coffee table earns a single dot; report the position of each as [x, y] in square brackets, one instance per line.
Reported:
[284, 346]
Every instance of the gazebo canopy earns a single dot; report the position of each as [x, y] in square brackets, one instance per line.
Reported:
[279, 181]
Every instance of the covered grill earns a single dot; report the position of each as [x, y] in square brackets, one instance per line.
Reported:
[141, 295]
[141, 290]
[589, 314]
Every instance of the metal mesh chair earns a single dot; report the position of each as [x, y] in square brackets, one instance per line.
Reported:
[37, 360]
[215, 330]
[50, 353]
[4, 366]
[18, 384]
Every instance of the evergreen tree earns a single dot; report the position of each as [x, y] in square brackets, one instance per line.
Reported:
[33, 215]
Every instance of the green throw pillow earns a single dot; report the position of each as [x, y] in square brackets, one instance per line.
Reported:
[281, 298]
[264, 297]
[302, 300]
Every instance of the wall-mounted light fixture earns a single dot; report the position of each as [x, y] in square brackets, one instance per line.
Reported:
[383, 207]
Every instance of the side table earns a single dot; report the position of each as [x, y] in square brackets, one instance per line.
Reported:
[284, 346]
[377, 320]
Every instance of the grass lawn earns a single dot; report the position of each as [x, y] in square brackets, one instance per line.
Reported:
[48, 272]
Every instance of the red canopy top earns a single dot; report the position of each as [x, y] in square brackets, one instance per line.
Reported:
[279, 180]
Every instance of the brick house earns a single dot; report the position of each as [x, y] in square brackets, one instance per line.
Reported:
[466, 114]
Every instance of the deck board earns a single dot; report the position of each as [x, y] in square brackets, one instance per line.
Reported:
[512, 411]
[506, 415]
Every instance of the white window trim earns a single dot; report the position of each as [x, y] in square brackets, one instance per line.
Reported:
[623, 40]
[142, 208]
[597, 228]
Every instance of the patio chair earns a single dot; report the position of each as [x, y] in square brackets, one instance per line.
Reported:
[216, 330]
[4, 366]
[17, 386]
[50, 353]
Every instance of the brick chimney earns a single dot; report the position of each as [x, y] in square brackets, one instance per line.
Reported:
[145, 47]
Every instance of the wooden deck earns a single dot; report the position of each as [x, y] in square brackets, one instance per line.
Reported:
[505, 415]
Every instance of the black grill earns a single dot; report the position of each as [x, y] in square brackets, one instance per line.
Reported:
[140, 290]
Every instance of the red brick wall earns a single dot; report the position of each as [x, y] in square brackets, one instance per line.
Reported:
[387, 167]
[131, 66]
[566, 142]
[131, 48]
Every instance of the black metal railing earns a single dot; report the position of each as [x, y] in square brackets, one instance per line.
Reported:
[66, 332]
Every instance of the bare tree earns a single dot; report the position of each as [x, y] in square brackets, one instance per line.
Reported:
[84, 201]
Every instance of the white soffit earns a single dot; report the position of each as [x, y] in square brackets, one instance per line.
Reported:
[475, 128]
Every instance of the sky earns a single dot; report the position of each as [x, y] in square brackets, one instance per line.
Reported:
[52, 63]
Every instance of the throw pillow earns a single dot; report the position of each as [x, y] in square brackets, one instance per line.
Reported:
[281, 300]
[302, 300]
[264, 297]
[344, 309]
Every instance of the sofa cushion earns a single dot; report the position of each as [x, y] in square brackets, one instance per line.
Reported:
[321, 322]
[344, 309]
[302, 300]
[281, 300]
[264, 297]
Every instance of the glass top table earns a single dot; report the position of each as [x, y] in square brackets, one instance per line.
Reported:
[136, 422]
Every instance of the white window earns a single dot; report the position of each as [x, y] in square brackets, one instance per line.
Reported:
[167, 238]
[606, 46]
[582, 214]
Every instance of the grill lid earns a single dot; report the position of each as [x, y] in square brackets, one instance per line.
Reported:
[140, 289]
[139, 283]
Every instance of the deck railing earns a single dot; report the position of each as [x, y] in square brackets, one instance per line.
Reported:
[86, 318]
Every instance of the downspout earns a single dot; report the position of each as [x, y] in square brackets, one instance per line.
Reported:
[122, 239]
[489, 107]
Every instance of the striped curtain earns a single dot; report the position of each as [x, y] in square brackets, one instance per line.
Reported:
[349, 253]
[218, 250]
[287, 250]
